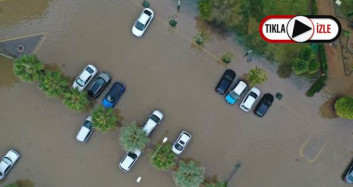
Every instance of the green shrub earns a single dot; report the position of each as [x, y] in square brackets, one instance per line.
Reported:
[300, 66]
[257, 76]
[284, 70]
[314, 7]
[104, 119]
[164, 159]
[313, 66]
[205, 8]
[188, 174]
[53, 84]
[227, 57]
[133, 137]
[173, 22]
[76, 100]
[200, 38]
[344, 107]
[317, 86]
[146, 4]
[28, 68]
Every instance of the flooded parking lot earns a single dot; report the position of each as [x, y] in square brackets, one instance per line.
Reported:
[161, 70]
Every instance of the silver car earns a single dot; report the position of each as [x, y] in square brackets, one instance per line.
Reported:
[180, 143]
[85, 131]
[7, 162]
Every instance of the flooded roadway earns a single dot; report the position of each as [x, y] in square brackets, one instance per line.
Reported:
[161, 70]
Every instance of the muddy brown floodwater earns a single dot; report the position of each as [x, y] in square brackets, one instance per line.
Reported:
[291, 146]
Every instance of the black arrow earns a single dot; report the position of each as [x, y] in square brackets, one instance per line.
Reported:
[299, 28]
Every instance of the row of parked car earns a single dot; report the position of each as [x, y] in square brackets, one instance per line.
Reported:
[110, 99]
[240, 87]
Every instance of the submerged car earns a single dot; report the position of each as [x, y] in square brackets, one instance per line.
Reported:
[129, 160]
[250, 99]
[99, 84]
[153, 120]
[114, 94]
[7, 162]
[85, 77]
[263, 105]
[233, 96]
[85, 131]
[225, 82]
[142, 22]
[348, 175]
[180, 143]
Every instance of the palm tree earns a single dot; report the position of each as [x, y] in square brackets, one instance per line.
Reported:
[164, 159]
[12, 185]
[133, 137]
[104, 119]
[28, 68]
[53, 84]
[188, 174]
[75, 100]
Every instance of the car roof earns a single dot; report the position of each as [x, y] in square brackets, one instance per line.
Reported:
[3, 166]
[143, 18]
[115, 89]
[249, 101]
[240, 87]
[85, 74]
[82, 134]
[149, 126]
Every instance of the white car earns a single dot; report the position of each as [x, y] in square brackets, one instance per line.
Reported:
[85, 77]
[86, 130]
[234, 94]
[250, 99]
[142, 22]
[129, 159]
[180, 143]
[7, 162]
[153, 120]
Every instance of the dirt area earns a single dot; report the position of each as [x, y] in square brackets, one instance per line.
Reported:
[162, 70]
[21, 10]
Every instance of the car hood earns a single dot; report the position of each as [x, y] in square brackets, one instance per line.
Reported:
[107, 104]
[230, 99]
[13, 156]
[137, 32]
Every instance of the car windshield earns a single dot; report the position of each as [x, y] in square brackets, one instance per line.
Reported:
[253, 95]
[7, 161]
[139, 26]
[178, 147]
[132, 155]
[246, 108]
[350, 177]
[90, 70]
[87, 124]
[110, 98]
[233, 95]
[0, 174]
[228, 77]
[155, 118]
[80, 82]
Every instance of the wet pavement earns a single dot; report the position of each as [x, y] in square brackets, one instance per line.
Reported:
[162, 70]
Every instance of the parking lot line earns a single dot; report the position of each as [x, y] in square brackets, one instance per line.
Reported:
[317, 154]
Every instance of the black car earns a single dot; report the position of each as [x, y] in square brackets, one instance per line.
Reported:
[114, 94]
[263, 105]
[99, 84]
[225, 82]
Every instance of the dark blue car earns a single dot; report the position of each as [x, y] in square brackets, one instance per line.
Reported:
[114, 94]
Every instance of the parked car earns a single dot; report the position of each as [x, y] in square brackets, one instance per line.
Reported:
[114, 94]
[85, 77]
[263, 105]
[99, 84]
[250, 99]
[86, 130]
[180, 143]
[348, 175]
[225, 82]
[7, 162]
[129, 160]
[142, 22]
[153, 120]
[234, 94]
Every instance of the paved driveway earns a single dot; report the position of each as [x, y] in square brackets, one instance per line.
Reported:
[161, 70]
